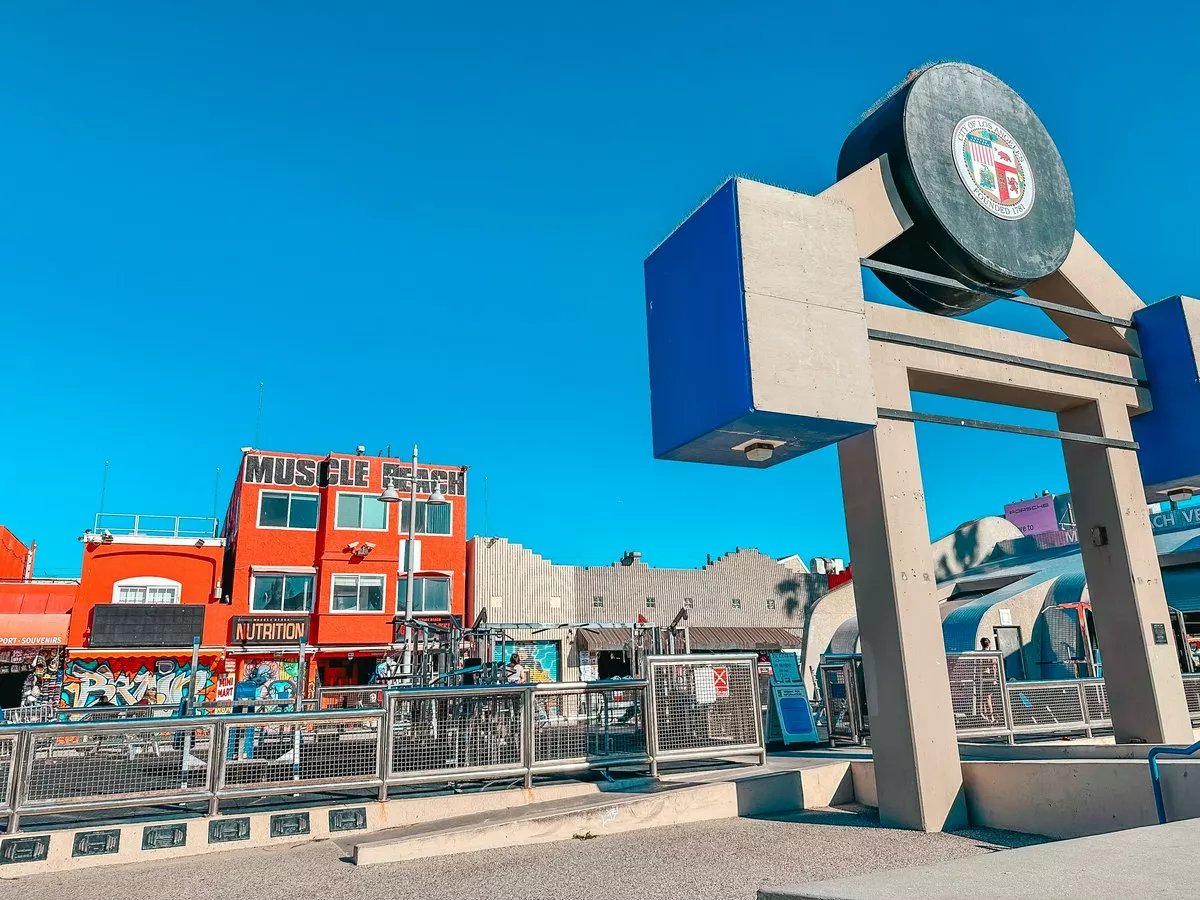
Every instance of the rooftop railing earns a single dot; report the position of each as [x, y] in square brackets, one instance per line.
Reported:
[127, 524]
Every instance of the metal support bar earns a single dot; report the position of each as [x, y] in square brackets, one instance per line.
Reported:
[527, 743]
[908, 340]
[385, 748]
[906, 415]
[650, 712]
[218, 753]
[914, 275]
[22, 755]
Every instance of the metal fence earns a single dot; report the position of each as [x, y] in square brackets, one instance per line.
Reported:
[704, 706]
[689, 708]
[985, 704]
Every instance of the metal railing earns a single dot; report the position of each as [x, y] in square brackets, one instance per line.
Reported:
[156, 526]
[704, 706]
[1155, 780]
[985, 703]
[689, 708]
[351, 697]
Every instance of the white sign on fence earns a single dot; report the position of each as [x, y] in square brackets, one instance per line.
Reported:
[706, 685]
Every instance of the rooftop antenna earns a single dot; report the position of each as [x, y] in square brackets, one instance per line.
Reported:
[258, 418]
[486, 527]
[103, 487]
[216, 490]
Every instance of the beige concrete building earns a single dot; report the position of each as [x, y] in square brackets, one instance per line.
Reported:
[743, 600]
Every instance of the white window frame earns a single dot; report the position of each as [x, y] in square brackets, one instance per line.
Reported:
[146, 581]
[282, 573]
[290, 494]
[402, 588]
[360, 527]
[421, 533]
[358, 596]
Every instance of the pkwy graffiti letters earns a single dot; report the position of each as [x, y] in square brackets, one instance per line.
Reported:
[128, 682]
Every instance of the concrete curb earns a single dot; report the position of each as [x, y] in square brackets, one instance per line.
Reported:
[677, 804]
[38, 852]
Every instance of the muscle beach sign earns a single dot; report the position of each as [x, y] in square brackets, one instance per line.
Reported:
[304, 471]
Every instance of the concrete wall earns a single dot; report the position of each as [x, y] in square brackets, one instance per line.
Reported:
[970, 544]
[829, 613]
[1064, 797]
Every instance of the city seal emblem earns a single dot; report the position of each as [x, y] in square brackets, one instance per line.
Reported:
[993, 167]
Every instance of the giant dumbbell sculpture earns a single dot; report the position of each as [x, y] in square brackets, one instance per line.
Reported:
[951, 126]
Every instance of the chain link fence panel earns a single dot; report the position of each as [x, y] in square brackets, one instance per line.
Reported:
[116, 763]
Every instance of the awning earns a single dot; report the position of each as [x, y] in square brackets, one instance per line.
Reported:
[32, 598]
[142, 652]
[28, 630]
[601, 638]
[743, 639]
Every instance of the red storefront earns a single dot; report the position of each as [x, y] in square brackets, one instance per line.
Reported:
[314, 558]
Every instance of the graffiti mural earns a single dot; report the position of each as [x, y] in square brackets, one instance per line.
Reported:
[541, 658]
[272, 679]
[134, 680]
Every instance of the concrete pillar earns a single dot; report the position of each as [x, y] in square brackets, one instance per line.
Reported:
[1145, 690]
[917, 770]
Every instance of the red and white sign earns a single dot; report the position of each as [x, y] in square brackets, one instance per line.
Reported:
[721, 681]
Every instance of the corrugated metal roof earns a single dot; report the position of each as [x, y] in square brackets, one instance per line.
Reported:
[1182, 586]
[734, 638]
[703, 639]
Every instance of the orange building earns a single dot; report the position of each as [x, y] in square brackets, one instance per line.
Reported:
[315, 556]
[310, 562]
[150, 588]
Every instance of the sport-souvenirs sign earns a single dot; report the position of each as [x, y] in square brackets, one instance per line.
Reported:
[993, 167]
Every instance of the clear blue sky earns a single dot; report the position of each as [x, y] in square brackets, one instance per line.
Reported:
[349, 201]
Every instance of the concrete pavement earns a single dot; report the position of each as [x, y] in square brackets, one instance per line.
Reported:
[723, 860]
[1142, 862]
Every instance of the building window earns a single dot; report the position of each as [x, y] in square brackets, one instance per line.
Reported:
[430, 519]
[688, 602]
[598, 602]
[770, 603]
[362, 511]
[357, 593]
[146, 590]
[737, 604]
[281, 593]
[284, 510]
[649, 603]
[431, 594]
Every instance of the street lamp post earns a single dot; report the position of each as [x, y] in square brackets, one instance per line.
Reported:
[436, 498]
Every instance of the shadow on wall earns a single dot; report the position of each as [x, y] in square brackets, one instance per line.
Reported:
[791, 590]
[970, 544]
